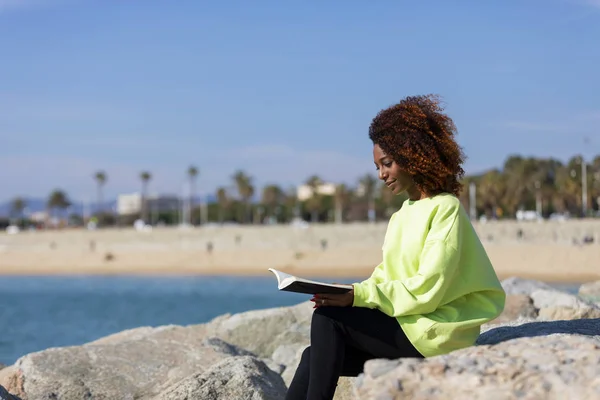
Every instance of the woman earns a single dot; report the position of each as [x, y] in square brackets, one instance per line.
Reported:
[435, 286]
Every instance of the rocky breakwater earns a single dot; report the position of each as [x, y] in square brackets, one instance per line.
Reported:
[546, 345]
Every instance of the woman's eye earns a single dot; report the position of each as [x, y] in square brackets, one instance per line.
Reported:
[388, 164]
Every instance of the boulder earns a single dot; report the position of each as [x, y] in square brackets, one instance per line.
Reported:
[516, 285]
[123, 366]
[548, 303]
[263, 331]
[4, 395]
[590, 291]
[556, 305]
[243, 378]
[517, 306]
[537, 360]
[248, 350]
[288, 355]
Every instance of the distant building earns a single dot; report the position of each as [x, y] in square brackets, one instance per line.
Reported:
[128, 204]
[38, 216]
[305, 192]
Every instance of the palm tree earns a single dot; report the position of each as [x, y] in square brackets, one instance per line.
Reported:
[100, 178]
[340, 200]
[314, 202]
[17, 206]
[58, 200]
[272, 197]
[595, 191]
[368, 184]
[223, 202]
[491, 189]
[145, 177]
[193, 176]
[291, 203]
[245, 190]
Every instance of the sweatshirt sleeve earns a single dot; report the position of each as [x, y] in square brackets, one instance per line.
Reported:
[377, 276]
[419, 294]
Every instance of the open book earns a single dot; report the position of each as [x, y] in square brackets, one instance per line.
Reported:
[290, 283]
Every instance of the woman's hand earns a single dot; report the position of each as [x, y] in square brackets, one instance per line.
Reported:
[334, 300]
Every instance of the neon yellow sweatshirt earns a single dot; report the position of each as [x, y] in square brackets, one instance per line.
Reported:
[435, 277]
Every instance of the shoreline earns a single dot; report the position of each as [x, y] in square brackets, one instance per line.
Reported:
[358, 274]
[544, 251]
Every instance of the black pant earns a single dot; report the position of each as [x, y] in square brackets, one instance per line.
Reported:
[342, 340]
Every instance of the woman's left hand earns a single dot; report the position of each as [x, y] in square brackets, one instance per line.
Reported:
[334, 300]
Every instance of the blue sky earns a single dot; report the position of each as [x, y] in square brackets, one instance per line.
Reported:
[280, 89]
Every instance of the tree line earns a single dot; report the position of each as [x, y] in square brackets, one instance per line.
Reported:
[523, 183]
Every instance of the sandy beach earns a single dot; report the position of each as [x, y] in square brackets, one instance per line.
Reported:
[546, 251]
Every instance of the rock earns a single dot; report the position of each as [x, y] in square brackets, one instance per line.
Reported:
[345, 389]
[552, 304]
[565, 313]
[4, 395]
[590, 291]
[529, 329]
[263, 331]
[224, 347]
[123, 366]
[555, 305]
[288, 355]
[145, 361]
[243, 378]
[516, 285]
[10, 378]
[517, 306]
[539, 360]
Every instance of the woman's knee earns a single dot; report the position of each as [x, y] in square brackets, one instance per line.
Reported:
[305, 354]
[323, 315]
[331, 312]
[327, 318]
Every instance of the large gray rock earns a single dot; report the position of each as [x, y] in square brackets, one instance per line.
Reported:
[240, 378]
[555, 305]
[263, 331]
[517, 306]
[590, 291]
[529, 329]
[289, 355]
[516, 285]
[121, 366]
[538, 360]
[4, 395]
[548, 303]
[144, 362]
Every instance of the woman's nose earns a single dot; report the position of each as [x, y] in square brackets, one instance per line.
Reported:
[382, 174]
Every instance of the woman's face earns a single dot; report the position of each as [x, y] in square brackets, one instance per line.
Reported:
[395, 178]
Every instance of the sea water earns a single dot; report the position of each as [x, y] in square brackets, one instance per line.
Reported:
[42, 312]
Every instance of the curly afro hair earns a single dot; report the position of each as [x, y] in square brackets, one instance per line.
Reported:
[420, 138]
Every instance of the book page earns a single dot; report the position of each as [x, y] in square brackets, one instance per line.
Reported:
[283, 279]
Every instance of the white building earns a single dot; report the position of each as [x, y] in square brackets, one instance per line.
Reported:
[128, 204]
[305, 192]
